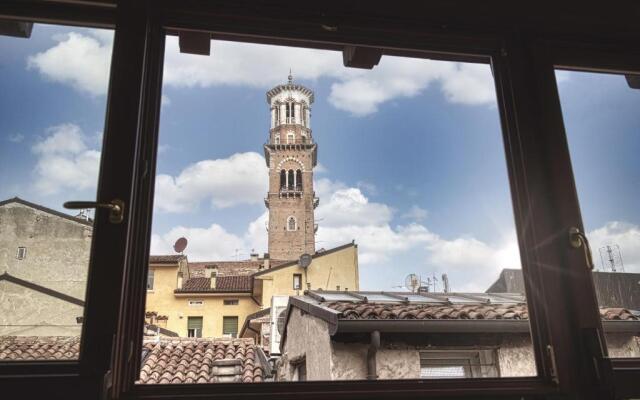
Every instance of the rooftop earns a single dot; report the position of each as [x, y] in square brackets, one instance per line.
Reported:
[235, 284]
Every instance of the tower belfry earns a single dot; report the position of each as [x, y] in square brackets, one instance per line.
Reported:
[291, 155]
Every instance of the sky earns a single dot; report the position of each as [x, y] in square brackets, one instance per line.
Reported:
[411, 160]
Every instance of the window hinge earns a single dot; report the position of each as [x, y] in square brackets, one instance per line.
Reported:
[552, 363]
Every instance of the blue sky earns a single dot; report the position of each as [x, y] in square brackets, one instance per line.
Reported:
[411, 159]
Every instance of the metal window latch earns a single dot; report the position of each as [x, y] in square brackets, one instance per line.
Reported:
[578, 239]
[115, 207]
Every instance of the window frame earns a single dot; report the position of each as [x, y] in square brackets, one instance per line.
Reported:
[22, 253]
[151, 276]
[505, 36]
[299, 276]
[237, 319]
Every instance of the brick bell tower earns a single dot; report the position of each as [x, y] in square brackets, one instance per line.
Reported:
[291, 155]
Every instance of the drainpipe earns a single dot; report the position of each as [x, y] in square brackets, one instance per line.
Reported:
[371, 355]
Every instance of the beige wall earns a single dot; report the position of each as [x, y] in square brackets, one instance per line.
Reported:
[164, 301]
[339, 268]
[307, 337]
[57, 258]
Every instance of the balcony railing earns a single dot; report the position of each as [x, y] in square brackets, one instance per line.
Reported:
[296, 141]
[297, 188]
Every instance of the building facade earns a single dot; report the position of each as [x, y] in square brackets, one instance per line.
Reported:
[44, 260]
[331, 335]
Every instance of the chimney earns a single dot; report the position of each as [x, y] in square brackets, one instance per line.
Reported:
[267, 261]
[211, 272]
[254, 256]
[179, 280]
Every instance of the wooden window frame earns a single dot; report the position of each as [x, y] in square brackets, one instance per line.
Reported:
[299, 276]
[522, 53]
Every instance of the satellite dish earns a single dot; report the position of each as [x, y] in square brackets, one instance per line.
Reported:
[305, 260]
[280, 321]
[180, 245]
[412, 282]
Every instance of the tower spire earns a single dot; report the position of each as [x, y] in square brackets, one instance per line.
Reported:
[290, 77]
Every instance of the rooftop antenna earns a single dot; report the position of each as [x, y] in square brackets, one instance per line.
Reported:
[180, 245]
[445, 283]
[290, 77]
[412, 282]
[611, 258]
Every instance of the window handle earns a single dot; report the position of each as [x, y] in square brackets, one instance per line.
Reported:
[115, 207]
[579, 239]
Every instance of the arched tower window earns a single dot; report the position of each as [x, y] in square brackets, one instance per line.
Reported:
[292, 224]
[290, 180]
[303, 137]
[299, 180]
[277, 138]
[283, 179]
[290, 138]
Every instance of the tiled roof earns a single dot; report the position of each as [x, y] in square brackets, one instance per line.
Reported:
[175, 360]
[245, 267]
[237, 283]
[165, 259]
[618, 314]
[201, 361]
[351, 310]
[27, 348]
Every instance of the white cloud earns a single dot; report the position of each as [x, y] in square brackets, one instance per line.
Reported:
[415, 213]
[16, 138]
[78, 60]
[82, 61]
[625, 235]
[240, 179]
[64, 161]
[212, 243]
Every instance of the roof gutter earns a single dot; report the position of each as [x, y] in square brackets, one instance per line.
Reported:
[461, 326]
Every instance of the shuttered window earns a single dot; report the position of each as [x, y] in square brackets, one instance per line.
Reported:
[230, 326]
[194, 327]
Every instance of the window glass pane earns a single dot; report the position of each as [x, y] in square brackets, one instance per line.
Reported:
[603, 130]
[376, 195]
[53, 86]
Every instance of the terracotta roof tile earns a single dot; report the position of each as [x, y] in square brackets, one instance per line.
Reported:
[351, 310]
[244, 267]
[165, 259]
[24, 348]
[201, 361]
[238, 283]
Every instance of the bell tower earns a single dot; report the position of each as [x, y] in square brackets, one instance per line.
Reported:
[291, 155]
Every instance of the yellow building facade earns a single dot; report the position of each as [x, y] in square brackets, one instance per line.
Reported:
[217, 306]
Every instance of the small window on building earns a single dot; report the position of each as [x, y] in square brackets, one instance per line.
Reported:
[231, 302]
[277, 139]
[22, 253]
[297, 281]
[290, 138]
[230, 327]
[196, 303]
[194, 327]
[451, 364]
[150, 278]
[292, 224]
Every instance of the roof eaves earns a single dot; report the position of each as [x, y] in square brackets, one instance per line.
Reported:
[45, 209]
[314, 256]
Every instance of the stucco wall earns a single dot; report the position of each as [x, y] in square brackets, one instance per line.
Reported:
[57, 248]
[164, 301]
[307, 337]
[515, 356]
[339, 268]
[623, 346]
[57, 258]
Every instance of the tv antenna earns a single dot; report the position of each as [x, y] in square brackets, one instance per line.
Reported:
[412, 282]
[611, 258]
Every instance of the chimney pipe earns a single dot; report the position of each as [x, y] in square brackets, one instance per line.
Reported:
[267, 261]
[254, 256]
[179, 280]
